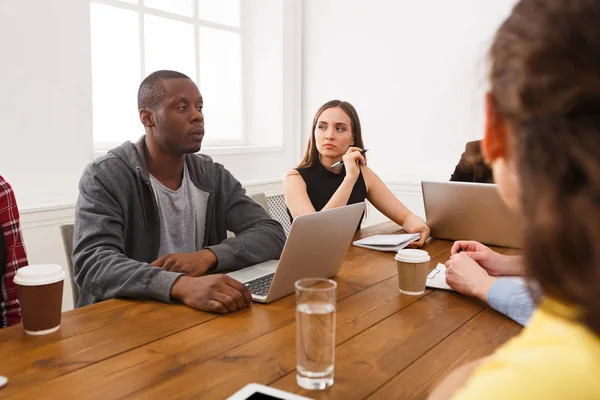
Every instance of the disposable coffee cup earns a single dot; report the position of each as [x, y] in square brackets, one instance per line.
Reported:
[40, 289]
[413, 267]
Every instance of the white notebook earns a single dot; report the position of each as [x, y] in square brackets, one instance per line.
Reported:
[387, 242]
[437, 278]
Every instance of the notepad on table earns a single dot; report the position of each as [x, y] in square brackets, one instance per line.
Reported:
[437, 278]
[387, 242]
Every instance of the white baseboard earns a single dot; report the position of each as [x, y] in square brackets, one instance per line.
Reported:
[408, 188]
[270, 187]
[59, 215]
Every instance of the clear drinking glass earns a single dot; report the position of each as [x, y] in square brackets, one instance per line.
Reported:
[315, 332]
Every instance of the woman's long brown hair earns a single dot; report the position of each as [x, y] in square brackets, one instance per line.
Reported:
[545, 83]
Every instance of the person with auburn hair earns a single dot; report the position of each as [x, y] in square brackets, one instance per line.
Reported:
[321, 182]
[542, 140]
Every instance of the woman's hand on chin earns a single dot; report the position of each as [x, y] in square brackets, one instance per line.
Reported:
[353, 160]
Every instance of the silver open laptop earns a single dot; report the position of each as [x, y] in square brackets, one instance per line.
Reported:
[315, 248]
[470, 211]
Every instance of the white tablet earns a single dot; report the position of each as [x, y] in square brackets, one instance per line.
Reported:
[255, 391]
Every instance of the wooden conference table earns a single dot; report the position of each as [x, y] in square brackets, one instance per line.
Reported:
[389, 345]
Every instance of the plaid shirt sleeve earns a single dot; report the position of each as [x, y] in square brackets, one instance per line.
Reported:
[10, 310]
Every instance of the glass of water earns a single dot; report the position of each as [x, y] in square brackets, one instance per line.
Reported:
[315, 333]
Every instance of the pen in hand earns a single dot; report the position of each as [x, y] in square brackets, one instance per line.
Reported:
[341, 162]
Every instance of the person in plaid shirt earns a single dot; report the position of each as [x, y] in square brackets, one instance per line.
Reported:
[12, 255]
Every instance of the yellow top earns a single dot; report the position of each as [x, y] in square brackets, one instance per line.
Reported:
[555, 357]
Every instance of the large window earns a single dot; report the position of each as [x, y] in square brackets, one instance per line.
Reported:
[133, 38]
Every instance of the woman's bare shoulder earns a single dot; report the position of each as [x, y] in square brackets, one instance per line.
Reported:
[292, 172]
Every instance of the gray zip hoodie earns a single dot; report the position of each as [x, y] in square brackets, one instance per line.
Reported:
[117, 229]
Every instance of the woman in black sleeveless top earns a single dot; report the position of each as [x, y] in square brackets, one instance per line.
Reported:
[316, 185]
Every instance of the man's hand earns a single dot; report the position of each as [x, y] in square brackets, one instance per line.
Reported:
[466, 276]
[191, 264]
[214, 293]
[414, 224]
[495, 264]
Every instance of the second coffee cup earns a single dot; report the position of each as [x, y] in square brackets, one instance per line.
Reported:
[413, 267]
[40, 289]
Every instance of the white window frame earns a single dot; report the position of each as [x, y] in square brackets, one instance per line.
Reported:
[291, 91]
[223, 146]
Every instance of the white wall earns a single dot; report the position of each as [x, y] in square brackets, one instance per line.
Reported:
[45, 116]
[45, 99]
[414, 70]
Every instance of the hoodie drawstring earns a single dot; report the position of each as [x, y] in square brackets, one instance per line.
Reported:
[139, 186]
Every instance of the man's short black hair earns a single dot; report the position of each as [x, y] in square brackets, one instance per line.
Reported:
[151, 90]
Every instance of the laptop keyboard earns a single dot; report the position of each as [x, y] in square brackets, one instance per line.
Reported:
[260, 286]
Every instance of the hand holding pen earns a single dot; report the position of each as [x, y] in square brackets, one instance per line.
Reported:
[352, 161]
[350, 150]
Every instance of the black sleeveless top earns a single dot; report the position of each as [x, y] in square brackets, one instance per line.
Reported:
[321, 185]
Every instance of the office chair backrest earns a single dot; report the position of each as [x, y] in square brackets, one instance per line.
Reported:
[67, 237]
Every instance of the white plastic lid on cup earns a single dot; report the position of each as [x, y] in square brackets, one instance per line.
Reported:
[42, 274]
[412, 256]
